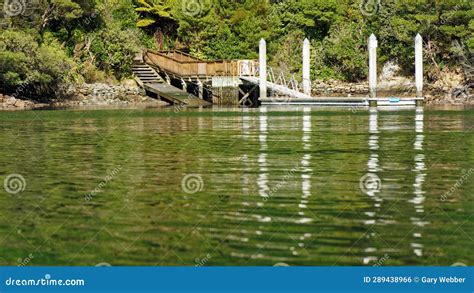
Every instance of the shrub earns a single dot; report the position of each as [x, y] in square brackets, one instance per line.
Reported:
[29, 69]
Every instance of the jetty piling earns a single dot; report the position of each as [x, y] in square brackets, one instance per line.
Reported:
[373, 44]
[263, 68]
[200, 89]
[306, 67]
[419, 65]
[234, 82]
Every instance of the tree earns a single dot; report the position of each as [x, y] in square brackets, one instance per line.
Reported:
[157, 16]
[29, 69]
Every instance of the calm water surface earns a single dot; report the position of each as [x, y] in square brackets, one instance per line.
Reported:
[237, 187]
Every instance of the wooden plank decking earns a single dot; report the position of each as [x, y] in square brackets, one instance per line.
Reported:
[343, 101]
[185, 66]
[173, 95]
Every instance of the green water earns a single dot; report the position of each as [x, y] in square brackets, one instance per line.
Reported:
[237, 187]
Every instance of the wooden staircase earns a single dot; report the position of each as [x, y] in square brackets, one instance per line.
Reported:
[144, 74]
[156, 87]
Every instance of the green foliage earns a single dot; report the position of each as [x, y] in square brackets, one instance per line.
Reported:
[114, 50]
[31, 69]
[158, 20]
[64, 41]
[61, 41]
[343, 53]
[444, 26]
[338, 30]
[159, 9]
[224, 29]
[110, 47]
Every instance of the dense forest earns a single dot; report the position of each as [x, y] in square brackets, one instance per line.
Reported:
[47, 43]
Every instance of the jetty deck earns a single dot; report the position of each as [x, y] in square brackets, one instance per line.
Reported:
[343, 101]
[174, 95]
[183, 66]
[213, 76]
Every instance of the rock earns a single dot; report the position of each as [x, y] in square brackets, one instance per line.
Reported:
[389, 70]
[20, 104]
[10, 101]
[127, 92]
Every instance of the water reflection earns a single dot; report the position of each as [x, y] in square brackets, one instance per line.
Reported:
[315, 218]
[306, 172]
[305, 161]
[245, 180]
[262, 181]
[373, 169]
[419, 195]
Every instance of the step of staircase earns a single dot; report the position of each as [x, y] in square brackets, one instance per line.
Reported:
[145, 74]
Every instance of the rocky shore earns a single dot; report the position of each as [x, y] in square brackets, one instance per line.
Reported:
[10, 103]
[433, 94]
[99, 94]
[453, 88]
[399, 87]
[127, 94]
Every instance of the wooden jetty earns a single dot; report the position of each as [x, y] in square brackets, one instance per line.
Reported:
[173, 95]
[179, 78]
[213, 82]
[156, 87]
[343, 101]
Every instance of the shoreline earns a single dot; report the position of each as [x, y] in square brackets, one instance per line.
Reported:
[129, 95]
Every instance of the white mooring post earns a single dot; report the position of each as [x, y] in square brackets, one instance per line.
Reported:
[373, 44]
[419, 65]
[306, 67]
[263, 68]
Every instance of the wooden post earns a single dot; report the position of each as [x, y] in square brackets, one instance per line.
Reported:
[263, 68]
[200, 89]
[184, 85]
[419, 65]
[373, 44]
[306, 67]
